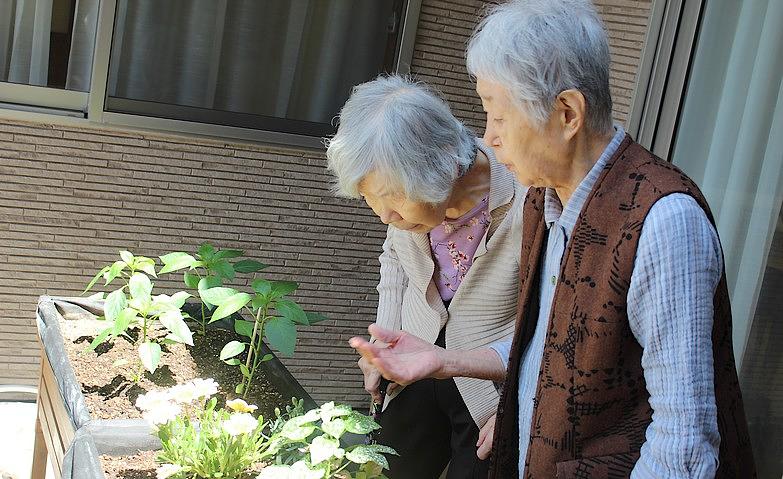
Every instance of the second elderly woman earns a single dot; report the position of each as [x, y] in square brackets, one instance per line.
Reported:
[450, 261]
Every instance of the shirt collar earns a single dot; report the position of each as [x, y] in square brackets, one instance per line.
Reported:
[566, 217]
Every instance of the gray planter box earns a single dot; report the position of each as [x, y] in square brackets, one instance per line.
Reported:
[65, 431]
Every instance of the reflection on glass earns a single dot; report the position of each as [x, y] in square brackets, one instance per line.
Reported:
[730, 141]
[294, 60]
[47, 43]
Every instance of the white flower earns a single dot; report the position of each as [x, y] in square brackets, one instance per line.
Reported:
[204, 388]
[152, 400]
[240, 405]
[298, 470]
[167, 470]
[163, 413]
[240, 423]
[183, 393]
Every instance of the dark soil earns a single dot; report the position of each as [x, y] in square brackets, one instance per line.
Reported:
[107, 373]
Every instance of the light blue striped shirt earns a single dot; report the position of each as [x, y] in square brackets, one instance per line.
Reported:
[678, 266]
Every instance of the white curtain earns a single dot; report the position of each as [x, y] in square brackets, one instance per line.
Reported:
[25, 26]
[730, 139]
[25, 33]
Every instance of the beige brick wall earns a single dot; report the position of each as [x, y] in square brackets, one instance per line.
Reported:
[70, 198]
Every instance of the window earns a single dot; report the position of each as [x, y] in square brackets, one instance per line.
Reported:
[49, 44]
[277, 70]
[719, 112]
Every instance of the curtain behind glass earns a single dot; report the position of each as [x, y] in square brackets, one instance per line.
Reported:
[25, 26]
[290, 59]
[730, 140]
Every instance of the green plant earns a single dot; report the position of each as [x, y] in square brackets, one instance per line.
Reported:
[198, 439]
[308, 446]
[208, 268]
[133, 307]
[274, 314]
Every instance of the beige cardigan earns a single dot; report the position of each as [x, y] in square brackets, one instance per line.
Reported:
[485, 304]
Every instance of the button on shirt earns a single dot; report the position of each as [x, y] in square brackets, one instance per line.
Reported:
[678, 266]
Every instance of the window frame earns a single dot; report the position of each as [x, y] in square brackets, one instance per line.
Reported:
[26, 102]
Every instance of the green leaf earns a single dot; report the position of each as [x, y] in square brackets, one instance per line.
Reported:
[313, 318]
[281, 333]
[249, 266]
[127, 256]
[245, 371]
[191, 280]
[176, 261]
[290, 310]
[174, 322]
[100, 338]
[145, 264]
[140, 287]
[360, 424]
[223, 269]
[323, 448]
[244, 328]
[239, 389]
[150, 356]
[114, 271]
[335, 427]
[96, 278]
[232, 362]
[297, 429]
[231, 349]
[228, 253]
[259, 301]
[206, 251]
[267, 357]
[230, 306]
[207, 283]
[115, 303]
[217, 295]
[179, 298]
[362, 454]
[282, 288]
[261, 286]
[124, 319]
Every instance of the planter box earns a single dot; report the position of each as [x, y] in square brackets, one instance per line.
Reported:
[65, 431]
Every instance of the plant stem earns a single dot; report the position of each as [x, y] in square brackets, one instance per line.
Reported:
[252, 354]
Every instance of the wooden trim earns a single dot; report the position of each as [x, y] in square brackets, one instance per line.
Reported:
[54, 426]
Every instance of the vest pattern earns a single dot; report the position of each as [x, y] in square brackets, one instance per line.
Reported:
[591, 408]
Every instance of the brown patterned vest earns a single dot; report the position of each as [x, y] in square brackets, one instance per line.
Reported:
[591, 408]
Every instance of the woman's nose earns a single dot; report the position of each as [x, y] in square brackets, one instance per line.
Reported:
[490, 136]
[389, 216]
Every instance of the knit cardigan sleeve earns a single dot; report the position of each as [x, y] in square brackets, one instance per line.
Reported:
[391, 286]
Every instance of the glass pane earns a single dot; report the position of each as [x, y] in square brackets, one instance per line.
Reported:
[730, 139]
[48, 43]
[233, 61]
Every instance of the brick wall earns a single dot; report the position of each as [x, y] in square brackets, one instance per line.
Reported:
[70, 198]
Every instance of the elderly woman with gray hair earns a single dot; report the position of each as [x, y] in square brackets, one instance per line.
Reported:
[449, 265]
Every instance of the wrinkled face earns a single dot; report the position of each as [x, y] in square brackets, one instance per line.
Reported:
[396, 210]
[530, 153]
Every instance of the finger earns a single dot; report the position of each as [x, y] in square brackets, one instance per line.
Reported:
[383, 334]
[485, 447]
[368, 350]
[391, 387]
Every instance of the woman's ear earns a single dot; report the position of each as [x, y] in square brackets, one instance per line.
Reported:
[571, 108]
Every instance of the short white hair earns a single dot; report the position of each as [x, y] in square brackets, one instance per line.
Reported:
[406, 133]
[539, 48]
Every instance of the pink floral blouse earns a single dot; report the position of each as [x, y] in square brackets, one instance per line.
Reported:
[453, 243]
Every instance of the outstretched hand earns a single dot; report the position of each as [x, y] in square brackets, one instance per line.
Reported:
[405, 360]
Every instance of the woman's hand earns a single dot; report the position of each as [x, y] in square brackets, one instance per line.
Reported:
[486, 435]
[372, 379]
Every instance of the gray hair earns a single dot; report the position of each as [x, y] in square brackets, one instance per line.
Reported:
[406, 133]
[539, 48]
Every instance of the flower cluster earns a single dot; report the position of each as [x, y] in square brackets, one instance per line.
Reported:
[160, 407]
